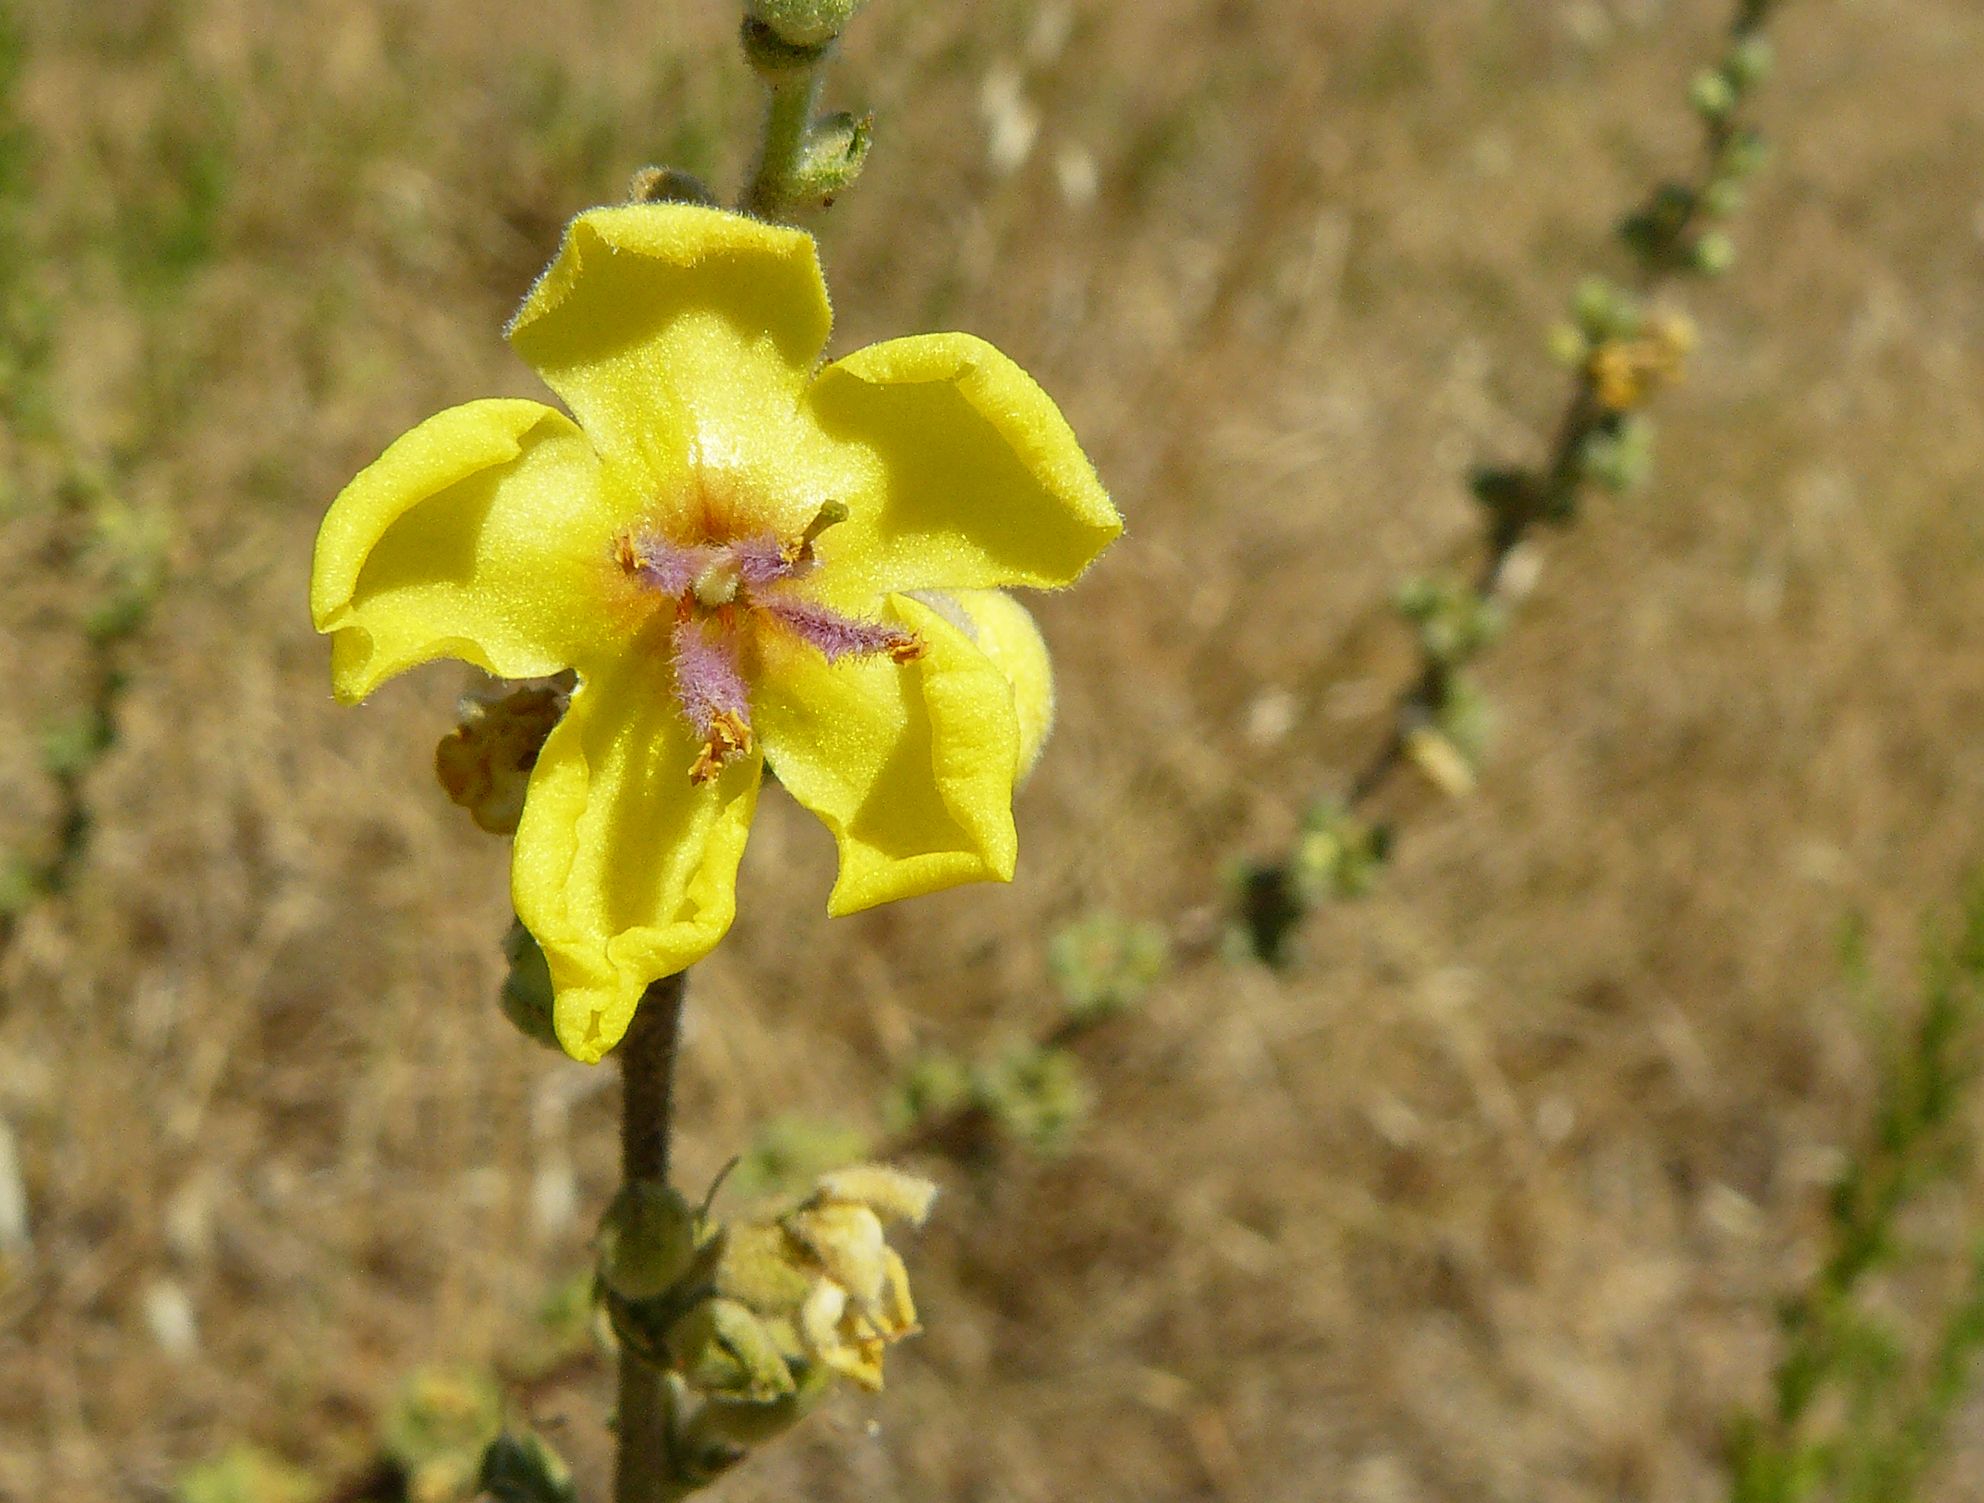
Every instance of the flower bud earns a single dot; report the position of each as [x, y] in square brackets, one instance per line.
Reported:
[1713, 254]
[1749, 62]
[836, 151]
[526, 995]
[524, 1469]
[721, 1347]
[646, 1241]
[670, 185]
[803, 23]
[1712, 95]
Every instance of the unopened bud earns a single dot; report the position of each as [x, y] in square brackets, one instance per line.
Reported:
[524, 1469]
[527, 991]
[670, 185]
[803, 23]
[646, 1241]
[1749, 62]
[836, 151]
[1712, 95]
[1713, 254]
[721, 1347]
[773, 58]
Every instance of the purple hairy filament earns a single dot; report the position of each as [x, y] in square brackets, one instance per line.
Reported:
[722, 591]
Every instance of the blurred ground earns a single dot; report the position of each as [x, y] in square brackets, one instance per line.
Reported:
[1486, 1200]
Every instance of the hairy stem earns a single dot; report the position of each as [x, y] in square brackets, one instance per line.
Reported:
[643, 1471]
[788, 125]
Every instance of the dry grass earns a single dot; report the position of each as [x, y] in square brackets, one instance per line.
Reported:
[1486, 1200]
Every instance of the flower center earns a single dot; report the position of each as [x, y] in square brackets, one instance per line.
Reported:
[721, 590]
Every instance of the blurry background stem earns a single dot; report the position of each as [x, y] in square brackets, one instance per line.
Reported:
[647, 1073]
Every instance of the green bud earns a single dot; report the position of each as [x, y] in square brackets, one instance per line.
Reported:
[1650, 233]
[647, 1240]
[741, 1423]
[1619, 456]
[1104, 964]
[526, 994]
[1749, 62]
[1743, 156]
[1712, 95]
[120, 615]
[1567, 344]
[1603, 310]
[1464, 718]
[721, 1348]
[775, 59]
[1337, 855]
[803, 23]
[524, 1469]
[1713, 254]
[1454, 622]
[836, 151]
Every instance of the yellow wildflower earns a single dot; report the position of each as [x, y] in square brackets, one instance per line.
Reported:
[732, 550]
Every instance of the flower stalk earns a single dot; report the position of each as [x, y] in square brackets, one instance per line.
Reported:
[644, 1419]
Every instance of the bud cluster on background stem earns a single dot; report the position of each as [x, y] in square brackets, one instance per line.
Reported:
[1622, 352]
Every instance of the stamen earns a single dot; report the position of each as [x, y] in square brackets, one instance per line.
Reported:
[799, 552]
[762, 560]
[713, 697]
[837, 636]
[657, 563]
[728, 737]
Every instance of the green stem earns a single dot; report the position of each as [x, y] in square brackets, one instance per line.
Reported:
[643, 1469]
[788, 126]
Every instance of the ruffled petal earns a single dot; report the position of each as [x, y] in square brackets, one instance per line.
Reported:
[484, 534]
[910, 766]
[1005, 631]
[679, 336]
[624, 870]
[962, 472]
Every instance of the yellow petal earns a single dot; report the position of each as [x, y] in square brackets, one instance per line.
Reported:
[911, 767]
[676, 334]
[965, 475]
[1006, 632]
[483, 534]
[624, 870]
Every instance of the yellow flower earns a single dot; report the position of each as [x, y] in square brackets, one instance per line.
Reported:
[744, 558]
